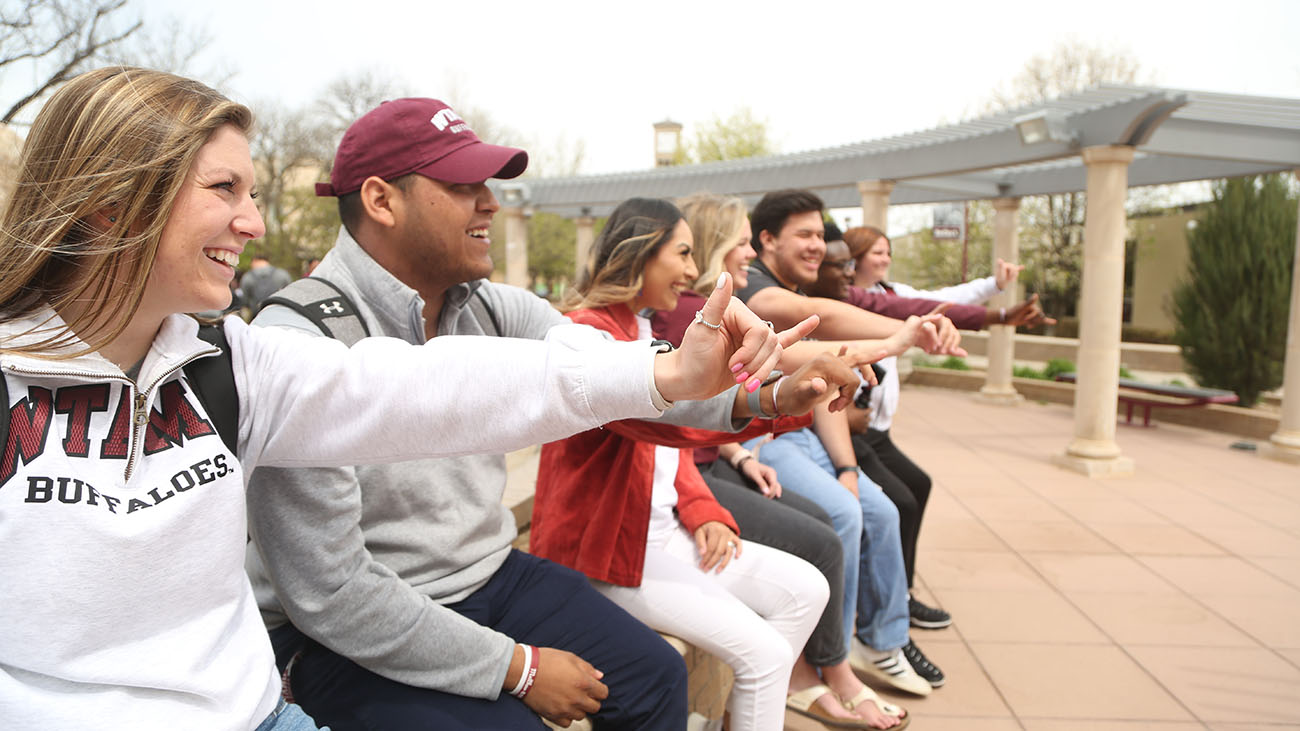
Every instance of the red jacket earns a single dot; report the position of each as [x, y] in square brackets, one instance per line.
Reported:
[592, 507]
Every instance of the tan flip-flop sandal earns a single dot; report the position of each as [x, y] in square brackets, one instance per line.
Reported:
[804, 702]
[867, 695]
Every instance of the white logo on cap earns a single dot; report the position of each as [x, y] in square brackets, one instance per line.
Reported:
[445, 117]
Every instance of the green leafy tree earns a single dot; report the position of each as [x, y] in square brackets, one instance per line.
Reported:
[1231, 312]
[552, 241]
[926, 263]
[738, 136]
[313, 225]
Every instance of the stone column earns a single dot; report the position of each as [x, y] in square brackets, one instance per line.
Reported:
[1093, 450]
[875, 202]
[1284, 445]
[516, 246]
[586, 234]
[997, 387]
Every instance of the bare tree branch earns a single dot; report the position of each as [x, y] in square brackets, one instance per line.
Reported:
[78, 26]
[169, 44]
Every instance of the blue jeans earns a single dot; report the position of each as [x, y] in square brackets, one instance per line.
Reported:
[875, 579]
[288, 717]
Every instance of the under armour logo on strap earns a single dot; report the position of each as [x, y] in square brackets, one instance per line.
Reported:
[333, 307]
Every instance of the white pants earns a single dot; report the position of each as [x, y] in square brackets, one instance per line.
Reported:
[755, 616]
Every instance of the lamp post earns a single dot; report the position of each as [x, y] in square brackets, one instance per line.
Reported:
[668, 141]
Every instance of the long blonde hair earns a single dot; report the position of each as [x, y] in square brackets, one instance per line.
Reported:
[718, 222]
[117, 142]
[616, 264]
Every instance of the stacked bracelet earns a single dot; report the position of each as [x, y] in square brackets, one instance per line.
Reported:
[776, 388]
[526, 678]
[756, 402]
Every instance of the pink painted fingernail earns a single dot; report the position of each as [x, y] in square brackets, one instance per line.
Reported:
[753, 385]
[737, 367]
[742, 377]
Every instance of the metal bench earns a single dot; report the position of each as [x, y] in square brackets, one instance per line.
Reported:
[1150, 395]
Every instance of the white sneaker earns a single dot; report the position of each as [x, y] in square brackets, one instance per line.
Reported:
[890, 667]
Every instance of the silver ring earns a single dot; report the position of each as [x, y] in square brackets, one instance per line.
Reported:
[699, 317]
[770, 326]
[731, 545]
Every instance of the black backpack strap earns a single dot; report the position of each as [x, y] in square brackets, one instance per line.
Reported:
[320, 301]
[4, 413]
[213, 382]
[483, 312]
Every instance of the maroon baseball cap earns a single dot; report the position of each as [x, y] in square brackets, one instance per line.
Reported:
[422, 136]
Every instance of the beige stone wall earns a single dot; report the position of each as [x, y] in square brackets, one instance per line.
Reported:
[11, 146]
[1159, 264]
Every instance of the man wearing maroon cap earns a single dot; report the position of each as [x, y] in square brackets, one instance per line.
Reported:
[398, 601]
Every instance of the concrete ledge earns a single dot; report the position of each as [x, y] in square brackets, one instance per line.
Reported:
[1042, 348]
[1249, 423]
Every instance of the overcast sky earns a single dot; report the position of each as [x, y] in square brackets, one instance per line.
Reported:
[820, 73]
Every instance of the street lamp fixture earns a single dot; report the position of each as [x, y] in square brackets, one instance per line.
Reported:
[1045, 125]
[668, 140]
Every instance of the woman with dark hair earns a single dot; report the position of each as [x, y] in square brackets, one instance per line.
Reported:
[626, 505]
[822, 684]
[123, 520]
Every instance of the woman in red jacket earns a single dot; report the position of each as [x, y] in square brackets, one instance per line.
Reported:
[626, 506]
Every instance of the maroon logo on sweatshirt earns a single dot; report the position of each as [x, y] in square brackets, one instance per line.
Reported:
[170, 424]
[29, 424]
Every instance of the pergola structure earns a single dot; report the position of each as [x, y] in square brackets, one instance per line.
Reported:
[1100, 141]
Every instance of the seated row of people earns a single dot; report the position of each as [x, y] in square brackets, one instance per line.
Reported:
[390, 589]
[622, 504]
[128, 438]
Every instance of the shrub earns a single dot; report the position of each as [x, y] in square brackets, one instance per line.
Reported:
[1056, 367]
[953, 363]
[1231, 312]
[1027, 372]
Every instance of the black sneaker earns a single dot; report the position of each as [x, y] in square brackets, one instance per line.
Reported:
[927, 617]
[922, 665]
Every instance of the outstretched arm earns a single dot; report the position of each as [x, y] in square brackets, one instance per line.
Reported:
[839, 320]
[404, 402]
[843, 321]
